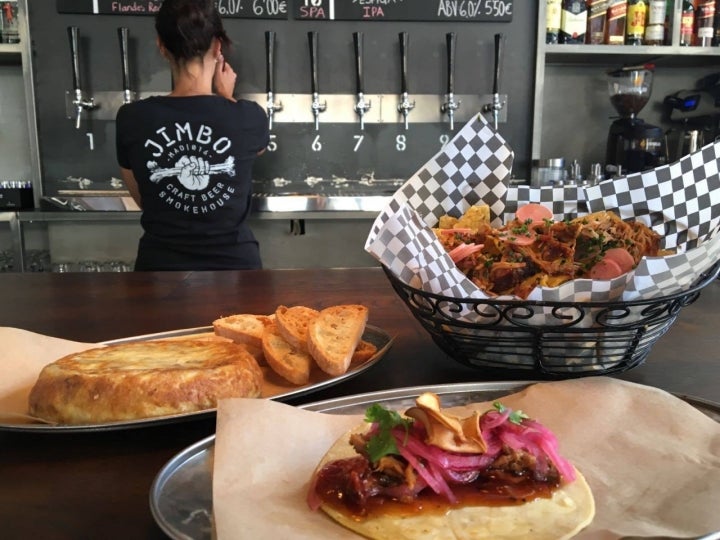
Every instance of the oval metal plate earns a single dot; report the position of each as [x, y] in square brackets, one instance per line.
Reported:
[378, 337]
[181, 495]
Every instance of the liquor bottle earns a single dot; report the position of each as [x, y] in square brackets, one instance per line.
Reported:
[716, 28]
[573, 21]
[552, 21]
[615, 24]
[704, 17]
[635, 26]
[687, 23]
[597, 13]
[655, 28]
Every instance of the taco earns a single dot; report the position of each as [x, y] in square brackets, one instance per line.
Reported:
[432, 475]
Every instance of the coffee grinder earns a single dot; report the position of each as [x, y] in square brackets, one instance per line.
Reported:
[632, 145]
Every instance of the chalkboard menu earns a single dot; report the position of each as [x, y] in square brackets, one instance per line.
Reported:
[405, 10]
[347, 10]
[238, 9]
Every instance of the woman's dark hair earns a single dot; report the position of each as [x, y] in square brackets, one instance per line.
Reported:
[186, 28]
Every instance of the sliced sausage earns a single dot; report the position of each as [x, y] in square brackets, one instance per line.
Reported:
[605, 269]
[519, 239]
[534, 212]
[622, 257]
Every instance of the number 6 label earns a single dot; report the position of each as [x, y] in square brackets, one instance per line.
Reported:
[316, 144]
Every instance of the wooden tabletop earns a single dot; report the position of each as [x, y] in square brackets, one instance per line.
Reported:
[97, 484]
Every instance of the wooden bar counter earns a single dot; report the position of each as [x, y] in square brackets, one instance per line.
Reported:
[96, 484]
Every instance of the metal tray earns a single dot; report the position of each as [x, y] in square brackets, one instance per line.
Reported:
[181, 494]
[277, 390]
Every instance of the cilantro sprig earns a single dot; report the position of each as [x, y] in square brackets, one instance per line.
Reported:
[383, 443]
[516, 417]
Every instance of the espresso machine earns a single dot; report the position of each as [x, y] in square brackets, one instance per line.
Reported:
[694, 115]
[633, 145]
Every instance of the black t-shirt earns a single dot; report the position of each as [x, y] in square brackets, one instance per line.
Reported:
[192, 158]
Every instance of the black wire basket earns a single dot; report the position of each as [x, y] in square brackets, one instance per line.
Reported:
[550, 339]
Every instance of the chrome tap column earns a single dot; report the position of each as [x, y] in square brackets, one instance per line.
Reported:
[271, 106]
[405, 105]
[361, 105]
[79, 101]
[316, 106]
[496, 106]
[450, 105]
[125, 64]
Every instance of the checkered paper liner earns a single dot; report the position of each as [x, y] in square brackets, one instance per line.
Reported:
[680, 201]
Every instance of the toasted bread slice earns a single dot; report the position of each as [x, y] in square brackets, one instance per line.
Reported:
[287, 361]
[292, 323]
[334, 335]
[244, 328]
[256, 352]
[364, 352]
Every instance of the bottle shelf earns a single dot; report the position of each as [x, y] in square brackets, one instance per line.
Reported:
[10, 52]
[602, 54]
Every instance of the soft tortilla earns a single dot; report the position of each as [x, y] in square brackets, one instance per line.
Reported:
[570, 509]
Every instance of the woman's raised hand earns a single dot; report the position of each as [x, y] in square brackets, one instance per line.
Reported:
[224, 78]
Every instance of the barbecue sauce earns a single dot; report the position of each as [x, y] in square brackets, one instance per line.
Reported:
[332, 487]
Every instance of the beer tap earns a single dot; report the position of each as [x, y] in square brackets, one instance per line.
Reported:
[123, 38]
[316, 106]
[361, 106]
[496, 106]
[405, 105]
[79, 100]
[450, 106]
[271, 106]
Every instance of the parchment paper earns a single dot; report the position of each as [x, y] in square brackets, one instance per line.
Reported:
[23, 355]
[652, 460]
[679, 201]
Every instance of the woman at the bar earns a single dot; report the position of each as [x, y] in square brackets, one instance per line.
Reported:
[187, 157]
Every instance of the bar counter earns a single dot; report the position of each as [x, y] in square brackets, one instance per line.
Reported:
[96, 484]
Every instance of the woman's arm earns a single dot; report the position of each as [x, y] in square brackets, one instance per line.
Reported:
[129, 178]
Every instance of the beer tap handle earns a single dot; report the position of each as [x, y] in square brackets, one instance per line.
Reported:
[404, 44]
[270, 54]
[124, 62]
[405, 105]
[450, 105]
[450, 39]
[272, 106]
[316, 106]
[74, 56]
[498, 62]
[496, 106]
[362, 106]
[358, 41]
[313, 43]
